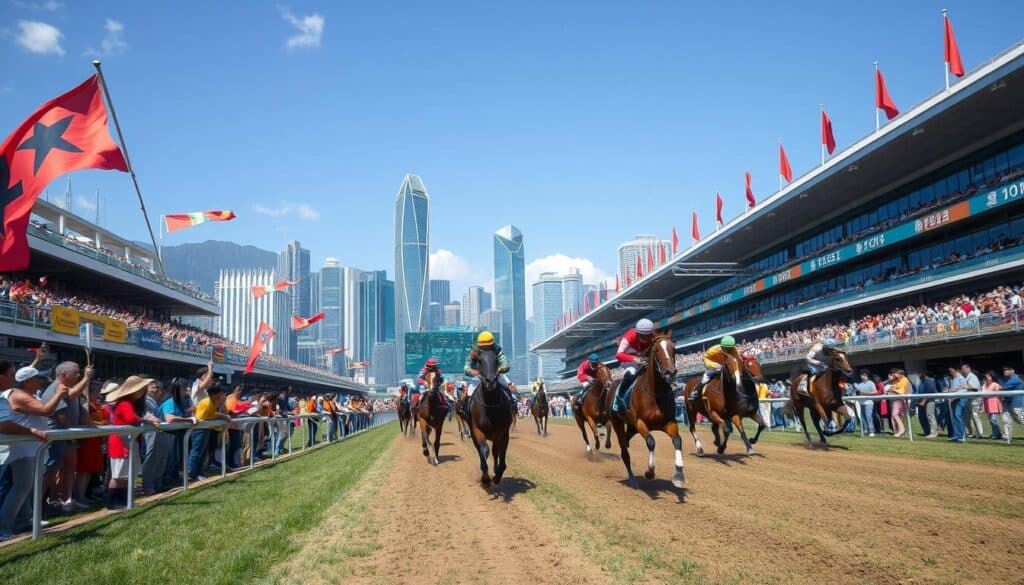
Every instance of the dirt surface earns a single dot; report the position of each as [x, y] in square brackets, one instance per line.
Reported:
[790, 515]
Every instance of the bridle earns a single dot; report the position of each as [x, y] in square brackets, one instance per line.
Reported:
[662, 342]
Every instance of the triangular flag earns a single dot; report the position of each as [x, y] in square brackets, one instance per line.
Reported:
[956, 66]
[718, 209]
[827, 137]
[694, 228]
[675, 241]
[784, 169]
[750, 192]
[882, 99]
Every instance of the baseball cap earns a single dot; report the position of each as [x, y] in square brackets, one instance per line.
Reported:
[28, 372]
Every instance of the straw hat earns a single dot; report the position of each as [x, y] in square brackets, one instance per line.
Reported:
[130, 386]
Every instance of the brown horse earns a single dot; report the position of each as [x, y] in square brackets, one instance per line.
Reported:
[540, 410]
[431, 413]
[727, 399]
[491, 417]
[652, 407]
[596, 407]
[824, 397]
[404, 415]
[460, 400]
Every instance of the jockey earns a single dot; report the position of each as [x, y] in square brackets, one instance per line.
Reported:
[817, 360]
[714, 361]
[631, 355]
[486, 341]
[431, 366]
[534, 387]
[403, 393]
[586, 374]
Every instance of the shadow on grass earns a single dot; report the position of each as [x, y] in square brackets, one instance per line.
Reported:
[658, 488]
[510, 487]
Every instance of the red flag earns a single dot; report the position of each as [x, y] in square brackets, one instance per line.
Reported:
[675, 241]
[661, 250]
[180, 221]
[301, 323]
[263, 337]
[882, 99]
[597, 298]
[586, 304]
[650, 260]
[258, 292]
[718, 209]
[784, 169]
[827, 137]
[284, 284]
[638, 273]
[694, 228]
[617, 288]
[750, 193]
[956, 66]
[66, 134]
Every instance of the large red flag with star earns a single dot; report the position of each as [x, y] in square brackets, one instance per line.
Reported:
[263, 337]
[66, 134]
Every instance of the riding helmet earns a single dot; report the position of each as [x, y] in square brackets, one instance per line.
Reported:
[594, 357]
[645, 326]
[728, 341]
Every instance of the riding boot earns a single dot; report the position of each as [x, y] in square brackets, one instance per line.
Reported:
[627, 380]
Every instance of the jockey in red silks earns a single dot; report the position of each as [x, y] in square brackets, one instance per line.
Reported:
[431, 366]
[632, 355]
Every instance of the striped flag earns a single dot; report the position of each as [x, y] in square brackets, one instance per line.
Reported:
[180, 221]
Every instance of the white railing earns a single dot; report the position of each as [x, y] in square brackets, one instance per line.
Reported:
[359, 421]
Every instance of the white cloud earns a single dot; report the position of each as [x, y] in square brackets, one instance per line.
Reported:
[560, 263]
[445, 265]
[302, 210]
[112, 43]
[40, 38]
[48, 5]
[310, 29]
[85, 203]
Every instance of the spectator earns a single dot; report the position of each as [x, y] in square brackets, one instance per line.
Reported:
[1013, 406]
[993, 405]
[19, 406]
[309, 407]
[179, 411]
[926, 406]
[957, 383]
[202, 383]
[972, 384]
[155, 464]
[206, 410]
[236, 407]
[899, 386]
[127, 400]
[331, 414]
[283, 408]
[61, 457]
[89, 458]
[865, 387]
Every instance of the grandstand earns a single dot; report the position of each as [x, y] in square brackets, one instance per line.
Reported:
[921, 212]
[91, 274]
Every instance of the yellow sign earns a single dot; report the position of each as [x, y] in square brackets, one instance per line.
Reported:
[116, 331]
[64, 320]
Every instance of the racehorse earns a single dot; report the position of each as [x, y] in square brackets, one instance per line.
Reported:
[463, 423]
[824, 397]
[727, 398]
[491, 417]
[404, 415]
[430, 413]
[596, 407]
[540, 410]
[652, 407]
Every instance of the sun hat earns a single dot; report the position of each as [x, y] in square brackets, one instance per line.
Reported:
[130, 386]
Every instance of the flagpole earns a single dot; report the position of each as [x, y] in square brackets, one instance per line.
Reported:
[878, 120]
[945, 65]
[822, 120]
[127, 160]
[780, 164]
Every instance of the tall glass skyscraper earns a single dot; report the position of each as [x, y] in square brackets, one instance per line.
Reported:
[376, 306]
[331, 328]
[293, 264]
[510, 297]
[412, 259]
[440, 291]
[553, 295]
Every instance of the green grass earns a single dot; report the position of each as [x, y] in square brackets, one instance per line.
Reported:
[230, 532]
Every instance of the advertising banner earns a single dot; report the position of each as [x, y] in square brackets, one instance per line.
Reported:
[150, 339]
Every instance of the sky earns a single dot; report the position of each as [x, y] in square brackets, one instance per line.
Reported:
[582, 123]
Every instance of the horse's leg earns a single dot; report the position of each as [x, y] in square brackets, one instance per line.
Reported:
[649, 440]
[691, 414]
[597, 437]
[545, 424]
[718, 425]
[536, 421]
[425, 437]
[798, 413]
[738, 423]
[760, 426]
[437, 440]
[583, 429]
[672, 430]
[480, 441]
[621, 433]
[818, 421]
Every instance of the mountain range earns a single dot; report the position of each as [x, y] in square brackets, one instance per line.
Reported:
[201, 263]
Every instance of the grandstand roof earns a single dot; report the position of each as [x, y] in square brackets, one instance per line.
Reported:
[981, 108]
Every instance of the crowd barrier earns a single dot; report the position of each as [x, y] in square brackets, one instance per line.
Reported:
[360, 422]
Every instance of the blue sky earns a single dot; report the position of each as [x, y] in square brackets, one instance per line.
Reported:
[583, 123]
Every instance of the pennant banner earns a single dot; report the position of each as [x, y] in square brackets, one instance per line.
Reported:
[301, 323]
[180, 221]
[259, 343]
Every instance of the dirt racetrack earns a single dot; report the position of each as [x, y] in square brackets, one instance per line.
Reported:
[790, 515]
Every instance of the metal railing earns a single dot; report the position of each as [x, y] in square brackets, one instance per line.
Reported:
[359, 422]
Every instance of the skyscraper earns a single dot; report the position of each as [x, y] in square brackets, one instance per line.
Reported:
[241, 314]
[441, 291]
[435, 314]
[553, 295]
[412, 261]
[510, 296]
[331, 328]
[293, 264]
[353, 311]
[490, 320]
[475, 301]
[375, 312]
[637, 248]
[384, 365]
[451, 313]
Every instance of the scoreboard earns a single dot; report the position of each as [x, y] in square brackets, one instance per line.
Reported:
[450, 348]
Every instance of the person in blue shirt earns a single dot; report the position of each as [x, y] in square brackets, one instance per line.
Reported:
[1013, 406]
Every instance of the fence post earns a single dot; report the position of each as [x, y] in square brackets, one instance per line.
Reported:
[37, 490]
[133, 452]
[910, 429]
[184, 459]
[224, 451]
[252, 445]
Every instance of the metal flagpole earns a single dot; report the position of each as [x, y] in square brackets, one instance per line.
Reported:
[878, 121]
[945, 65]
[127, 160]
[780, 164]
[822, 137]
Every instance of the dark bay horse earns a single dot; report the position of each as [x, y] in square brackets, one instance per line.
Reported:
[460, 399]
[727, 398]
[596, 408]
[404, 415]
[431, 413]
[540, 410]
[824, 397]
[491, 417]
[652, 407]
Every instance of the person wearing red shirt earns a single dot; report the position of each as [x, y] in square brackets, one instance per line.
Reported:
[631, 354]
[125, 411]
[585, 374]
[431, 366]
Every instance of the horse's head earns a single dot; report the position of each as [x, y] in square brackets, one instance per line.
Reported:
[752, 367]
[839, 362]
[663, 356]
[433, 380]
[541, 390]
[733, 368]
[488, 367]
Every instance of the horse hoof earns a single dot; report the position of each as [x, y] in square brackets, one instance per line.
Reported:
[485, 481]
[751, 452]
[678, 481]
[426, 453]
[648, 474]
[632, 483]
[589, 450]
[435, 461]
[496, 480]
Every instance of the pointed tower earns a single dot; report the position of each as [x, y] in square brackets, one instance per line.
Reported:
[412, 259]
